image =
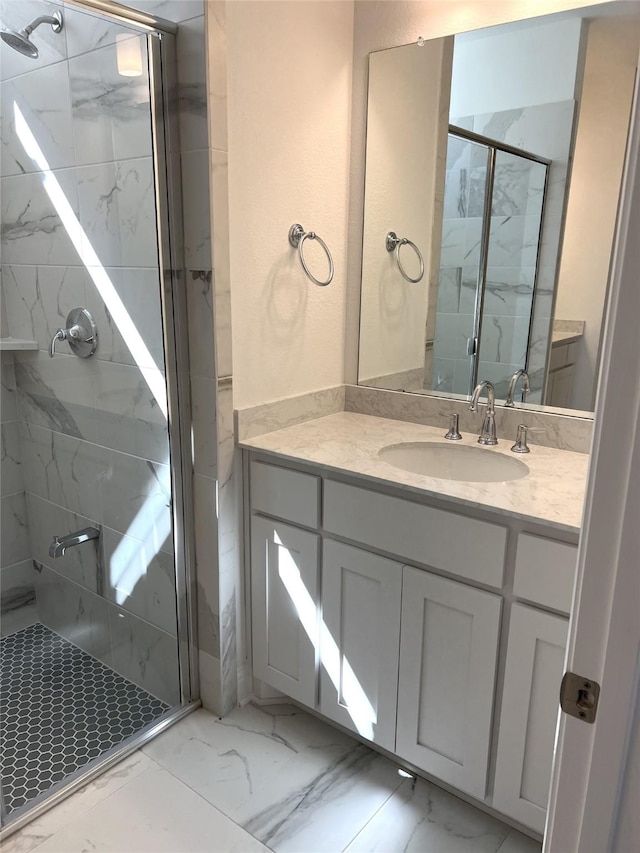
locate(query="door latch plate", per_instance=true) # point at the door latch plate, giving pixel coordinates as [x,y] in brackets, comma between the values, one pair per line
[579,696]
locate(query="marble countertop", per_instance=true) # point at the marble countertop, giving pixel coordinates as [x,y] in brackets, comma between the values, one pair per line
[552,493]
[561,338]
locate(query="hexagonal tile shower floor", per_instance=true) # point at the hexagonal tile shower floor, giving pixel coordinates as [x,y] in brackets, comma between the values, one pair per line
[60,708]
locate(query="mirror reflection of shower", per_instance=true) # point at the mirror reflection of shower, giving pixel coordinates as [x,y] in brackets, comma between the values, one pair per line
[488,265]
[19,39]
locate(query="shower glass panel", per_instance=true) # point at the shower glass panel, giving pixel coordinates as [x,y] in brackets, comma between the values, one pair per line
[493,210]
[512,256]
[89,622]
[461,265]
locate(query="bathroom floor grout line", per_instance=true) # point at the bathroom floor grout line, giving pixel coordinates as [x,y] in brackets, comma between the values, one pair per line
[367,822]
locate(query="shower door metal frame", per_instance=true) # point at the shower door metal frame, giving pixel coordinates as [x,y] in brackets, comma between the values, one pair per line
[493,147]
[168,194]
[163,90]
[163,87]
[129,17]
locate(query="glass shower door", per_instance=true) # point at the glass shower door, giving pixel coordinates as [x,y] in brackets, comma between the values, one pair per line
[92,656]
[461,265]
[493,209]
[512,258]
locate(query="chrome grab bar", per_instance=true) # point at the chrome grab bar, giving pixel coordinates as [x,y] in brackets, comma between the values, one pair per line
[394,243]
[297,236]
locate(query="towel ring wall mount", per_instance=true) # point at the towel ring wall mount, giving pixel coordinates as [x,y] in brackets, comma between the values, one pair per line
[394,243]
[297,236]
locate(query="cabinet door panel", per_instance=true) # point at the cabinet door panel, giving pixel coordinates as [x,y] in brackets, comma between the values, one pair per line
[448,652]
[284,603]
[560,393]
[530,703]
[360,640]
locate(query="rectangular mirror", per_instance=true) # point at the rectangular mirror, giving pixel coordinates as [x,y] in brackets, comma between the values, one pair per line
[493,169]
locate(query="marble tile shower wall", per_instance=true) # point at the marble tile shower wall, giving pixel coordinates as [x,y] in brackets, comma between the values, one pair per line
[544,130]
[222,652]
[16,571]
[94,439]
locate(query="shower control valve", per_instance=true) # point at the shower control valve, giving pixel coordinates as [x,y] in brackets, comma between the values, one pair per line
[81,333]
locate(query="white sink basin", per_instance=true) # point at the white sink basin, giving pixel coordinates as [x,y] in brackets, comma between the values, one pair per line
[454,462]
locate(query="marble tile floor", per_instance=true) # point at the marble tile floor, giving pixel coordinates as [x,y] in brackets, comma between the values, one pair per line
[268,778]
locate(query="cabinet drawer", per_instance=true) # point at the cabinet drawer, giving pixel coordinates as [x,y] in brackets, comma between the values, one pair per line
[444,540]
[545,571]
[572,352]
[559,354]
[285,494]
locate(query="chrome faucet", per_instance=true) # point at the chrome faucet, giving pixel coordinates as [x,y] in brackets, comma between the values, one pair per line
[488,430]
[61,543]
[512,386]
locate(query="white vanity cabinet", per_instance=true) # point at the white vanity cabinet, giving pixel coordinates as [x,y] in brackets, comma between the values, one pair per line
[544,575]
[385,613]
[285,580]
[560,377]
[448,660]
[285,583]
[530,698]
[360,640]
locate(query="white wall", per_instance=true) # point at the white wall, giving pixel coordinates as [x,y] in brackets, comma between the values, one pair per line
[612,55]
[380,24]
[289,85]
[407,124]
[291,122]
[515,68]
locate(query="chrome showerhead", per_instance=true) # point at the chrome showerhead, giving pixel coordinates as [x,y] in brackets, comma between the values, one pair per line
[19,39]
[20,42]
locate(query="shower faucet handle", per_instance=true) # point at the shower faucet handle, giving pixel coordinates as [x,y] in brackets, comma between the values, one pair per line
[63,335]
[81,333]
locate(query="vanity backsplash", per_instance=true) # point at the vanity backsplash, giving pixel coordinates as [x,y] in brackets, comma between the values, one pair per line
[563,432]
[545,428]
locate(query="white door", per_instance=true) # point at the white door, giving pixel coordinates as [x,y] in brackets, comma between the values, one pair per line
[284,605]
[535,657]
[604,635]
[448,652]
[360,641]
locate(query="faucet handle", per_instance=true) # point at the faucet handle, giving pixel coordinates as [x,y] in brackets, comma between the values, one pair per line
[60,335]
[454,433]
[521,445]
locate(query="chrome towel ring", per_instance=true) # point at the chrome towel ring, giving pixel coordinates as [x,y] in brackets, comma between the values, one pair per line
[393,243]
[297,236]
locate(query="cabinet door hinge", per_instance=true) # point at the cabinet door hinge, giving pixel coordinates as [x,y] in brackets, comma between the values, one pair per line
[579,696]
